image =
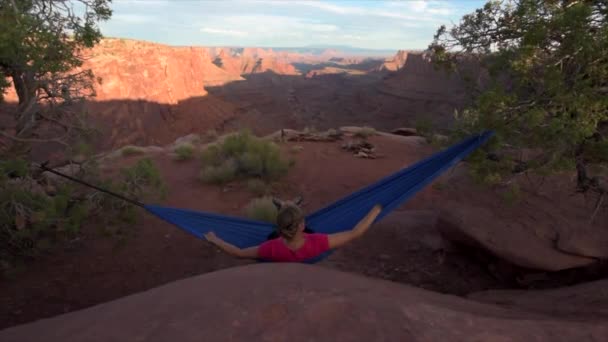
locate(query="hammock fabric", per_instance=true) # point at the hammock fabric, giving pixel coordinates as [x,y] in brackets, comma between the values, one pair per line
[390,192]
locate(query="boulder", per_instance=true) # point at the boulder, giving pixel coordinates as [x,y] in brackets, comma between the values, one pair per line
[521,240]
[406,132]
[588,300]
[296,302]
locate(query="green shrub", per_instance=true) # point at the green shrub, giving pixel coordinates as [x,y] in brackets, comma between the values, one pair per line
[424,127]
[243,156]
[262,209]
[184,152]
[512,194]
[211,135]
[31,221]
[143,180]
[131,151]
[211,155]
[257,186]
[221,174]
[82,149]
[365,132]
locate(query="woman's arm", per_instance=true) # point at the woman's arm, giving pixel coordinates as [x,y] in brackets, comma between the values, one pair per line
[339,239]
[251,252]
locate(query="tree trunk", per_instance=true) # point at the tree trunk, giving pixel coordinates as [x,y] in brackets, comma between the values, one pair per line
[25,86]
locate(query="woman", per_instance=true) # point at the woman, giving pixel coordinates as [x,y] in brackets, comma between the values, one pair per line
[293,243]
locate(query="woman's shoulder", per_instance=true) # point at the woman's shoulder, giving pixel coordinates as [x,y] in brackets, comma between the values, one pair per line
[317,237]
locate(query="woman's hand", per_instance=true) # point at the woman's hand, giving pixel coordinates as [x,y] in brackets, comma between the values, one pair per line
[251,252]
[376,209]
[211,237]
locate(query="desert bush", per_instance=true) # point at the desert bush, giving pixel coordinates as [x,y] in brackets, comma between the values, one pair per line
[424,127]
[262,209]
[184,152]
[33,219]
[512,194]
[30,219]
[365,132]
[257,186]
[219,174]
[141,181]
[210,135]
[243,155]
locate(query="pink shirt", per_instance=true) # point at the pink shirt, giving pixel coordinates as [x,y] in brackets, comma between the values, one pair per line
[276,249]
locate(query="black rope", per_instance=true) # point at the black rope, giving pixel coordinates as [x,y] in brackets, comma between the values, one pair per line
[132,201]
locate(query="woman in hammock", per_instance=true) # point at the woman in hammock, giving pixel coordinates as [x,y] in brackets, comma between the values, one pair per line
[294,242]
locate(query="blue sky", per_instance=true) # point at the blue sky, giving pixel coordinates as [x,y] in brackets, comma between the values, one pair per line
[278,23]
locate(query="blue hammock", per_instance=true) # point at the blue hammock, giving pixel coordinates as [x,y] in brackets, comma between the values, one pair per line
[390,192]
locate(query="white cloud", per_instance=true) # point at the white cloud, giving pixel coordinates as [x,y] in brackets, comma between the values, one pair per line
[440,11]
[266,25]
[321,27]
[417,6]
[427,7]
[353,37]
[224,32]
[132,18]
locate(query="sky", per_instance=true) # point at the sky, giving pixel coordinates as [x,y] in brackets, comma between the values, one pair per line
[285,23]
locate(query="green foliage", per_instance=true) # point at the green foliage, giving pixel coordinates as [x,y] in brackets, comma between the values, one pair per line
[31,221]
[142,182]
[210,135]
[365,132]
[257,186]
[39,39]
[424,127]
[140,178]
[547,85]
[243,155]
[82,148]
[220,174]
[262,209]
[128,151]
[34,218]
[184,152]
[512,194]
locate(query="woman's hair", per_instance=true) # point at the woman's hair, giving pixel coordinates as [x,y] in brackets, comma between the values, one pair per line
[288,220]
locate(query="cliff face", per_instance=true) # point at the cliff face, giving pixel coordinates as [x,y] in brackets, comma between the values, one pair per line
[151,93]
[394,63]
[244,61]
[145,71]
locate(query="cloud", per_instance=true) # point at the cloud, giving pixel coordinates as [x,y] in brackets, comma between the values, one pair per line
[224,32]
[353,37]
[320,27]
[283,23]
[266,25]
[432,8]
[417,6]
[440,11]
[132,18]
